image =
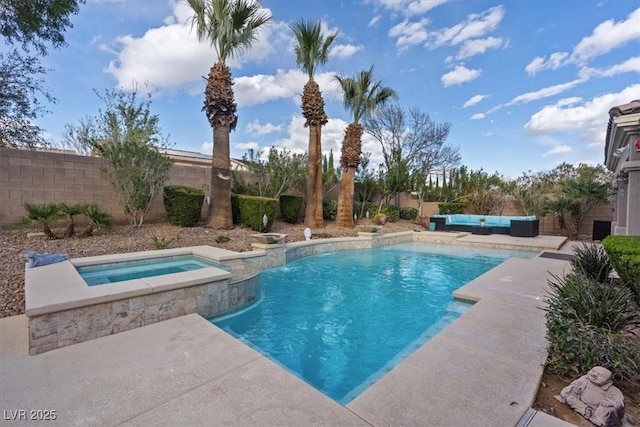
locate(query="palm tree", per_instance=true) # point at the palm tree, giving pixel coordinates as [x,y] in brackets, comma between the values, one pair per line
[230,27]
[362,95]
[97,219]
[312,49]
[70,211]
[45,215]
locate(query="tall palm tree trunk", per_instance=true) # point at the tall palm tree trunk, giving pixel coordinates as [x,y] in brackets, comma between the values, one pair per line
[344,218]
[349,161]
[219,214]
[313,211]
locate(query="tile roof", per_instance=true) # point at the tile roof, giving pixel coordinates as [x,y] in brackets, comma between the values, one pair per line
[619,110]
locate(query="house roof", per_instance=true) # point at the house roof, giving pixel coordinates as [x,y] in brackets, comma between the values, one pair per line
[195,158]
[632,107]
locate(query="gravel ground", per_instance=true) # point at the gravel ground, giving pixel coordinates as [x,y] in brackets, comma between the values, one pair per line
[14,243]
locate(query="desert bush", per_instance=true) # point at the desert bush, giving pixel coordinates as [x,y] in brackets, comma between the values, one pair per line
[451,208]
[591,260]
[254,208]
[160,242]
[575,347]
[408,213]
[183,205]
[329,209]
[222,239]
[290,207]
[391,211]
[380,218]
[361,209]
[603,305]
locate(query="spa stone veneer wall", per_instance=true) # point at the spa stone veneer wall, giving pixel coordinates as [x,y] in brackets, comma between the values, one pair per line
[59,329]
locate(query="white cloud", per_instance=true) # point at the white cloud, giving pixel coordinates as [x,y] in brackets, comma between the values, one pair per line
[474,100]
[474,26]
[207,147]
[245,146]
[459,75]
[537,64]
[297,139]
[409,33]
[262,88]
[256,128]
[170,56]
[410,7]
[556,60]
[374,21]
[477,47]
[345,50]
[631,65]
[560,149]
[606,37]
[587,117]
[478,116]
[545,92]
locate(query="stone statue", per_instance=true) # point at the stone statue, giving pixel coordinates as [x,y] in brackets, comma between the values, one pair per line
[595,398]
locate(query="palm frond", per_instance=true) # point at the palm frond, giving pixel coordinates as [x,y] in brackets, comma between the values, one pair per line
[312,47]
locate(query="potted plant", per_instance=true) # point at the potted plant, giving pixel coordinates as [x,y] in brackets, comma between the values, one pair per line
[482,221]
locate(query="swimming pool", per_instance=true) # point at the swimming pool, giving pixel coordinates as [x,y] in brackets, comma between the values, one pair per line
[340,321]
[103,274]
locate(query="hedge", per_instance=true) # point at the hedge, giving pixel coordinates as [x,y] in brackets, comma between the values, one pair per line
[624,254]
[183,205]
[451,208]
[290,207]
[254,208]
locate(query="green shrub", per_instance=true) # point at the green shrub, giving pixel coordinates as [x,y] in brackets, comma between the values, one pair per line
[451,208]
[380,218]
[222,239]
[254,208]
[586,321]
[391,211]
[361,209]
[591,260]
[160,242]
[235,209]
[290,207]
[574,348]
[624,253]
[408,213]
[330,209]
[603,305]
[183,205]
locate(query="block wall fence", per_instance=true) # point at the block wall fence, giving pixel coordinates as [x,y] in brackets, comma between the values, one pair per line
[47,177]
[52,177]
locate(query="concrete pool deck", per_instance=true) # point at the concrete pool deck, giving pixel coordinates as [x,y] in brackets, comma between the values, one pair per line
[484,369]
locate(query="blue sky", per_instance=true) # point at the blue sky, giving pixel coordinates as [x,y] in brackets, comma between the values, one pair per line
[526,84]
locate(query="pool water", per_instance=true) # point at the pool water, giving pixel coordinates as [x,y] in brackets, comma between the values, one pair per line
[117,272]
[340,321]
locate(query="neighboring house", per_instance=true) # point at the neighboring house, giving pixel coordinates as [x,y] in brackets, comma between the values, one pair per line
[191,158]
[622,156]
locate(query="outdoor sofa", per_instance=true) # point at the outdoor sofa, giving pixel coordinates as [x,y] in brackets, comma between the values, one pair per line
[517,226]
